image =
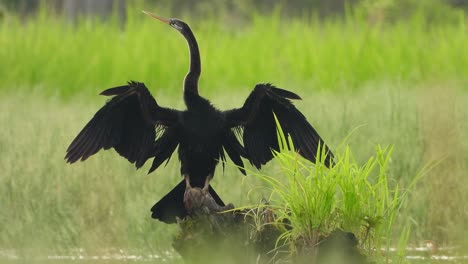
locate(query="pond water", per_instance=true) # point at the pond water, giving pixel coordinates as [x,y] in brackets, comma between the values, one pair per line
[80,256]
[415,255]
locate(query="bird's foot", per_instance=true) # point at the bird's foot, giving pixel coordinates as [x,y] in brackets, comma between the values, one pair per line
[197,201]
[188,187]
[206,187]
[193,198]
[187,182]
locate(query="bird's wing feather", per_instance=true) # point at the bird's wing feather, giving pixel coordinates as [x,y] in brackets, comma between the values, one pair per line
[234,150]
[256,118]
[127,123]
[164,147]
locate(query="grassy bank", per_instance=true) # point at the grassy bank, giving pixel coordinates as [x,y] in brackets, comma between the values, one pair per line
[104,202]
[402,84]
[51,55]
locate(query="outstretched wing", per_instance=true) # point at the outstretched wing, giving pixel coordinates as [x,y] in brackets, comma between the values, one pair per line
[256,119]
[234,150]
[127,123]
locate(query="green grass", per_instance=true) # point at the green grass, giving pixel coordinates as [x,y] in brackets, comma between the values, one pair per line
[315,200]
[401,84]
[49,205]
[52,56]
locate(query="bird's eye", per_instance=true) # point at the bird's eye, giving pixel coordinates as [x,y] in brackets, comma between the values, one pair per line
[176,25]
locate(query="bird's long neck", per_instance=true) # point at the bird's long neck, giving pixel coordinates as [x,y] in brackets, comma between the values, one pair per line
[191,79]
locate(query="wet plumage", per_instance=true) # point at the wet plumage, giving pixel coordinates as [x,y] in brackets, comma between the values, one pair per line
[139,129]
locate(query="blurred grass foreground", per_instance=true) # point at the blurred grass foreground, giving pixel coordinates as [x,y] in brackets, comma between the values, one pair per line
[383,73]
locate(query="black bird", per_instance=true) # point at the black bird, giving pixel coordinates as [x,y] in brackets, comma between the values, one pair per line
[139,129]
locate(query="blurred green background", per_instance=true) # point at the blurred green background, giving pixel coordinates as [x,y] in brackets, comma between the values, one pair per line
[390,72]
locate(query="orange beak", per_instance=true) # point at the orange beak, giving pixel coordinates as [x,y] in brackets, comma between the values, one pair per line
[162,19]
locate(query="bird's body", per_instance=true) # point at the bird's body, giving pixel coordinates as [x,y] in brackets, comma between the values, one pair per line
[201,135]
[139,129]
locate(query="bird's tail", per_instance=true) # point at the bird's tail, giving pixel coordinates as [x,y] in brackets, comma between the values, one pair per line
[172,204]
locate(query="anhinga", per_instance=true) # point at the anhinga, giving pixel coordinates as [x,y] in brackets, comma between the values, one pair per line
[138,128]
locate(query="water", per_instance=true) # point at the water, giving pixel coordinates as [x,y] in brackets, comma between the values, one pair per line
[414,255]
[80,256]
[432,254]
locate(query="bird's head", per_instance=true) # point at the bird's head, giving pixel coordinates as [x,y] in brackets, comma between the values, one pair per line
[173,22]
[191,79]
